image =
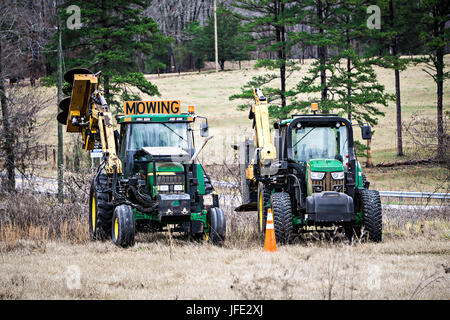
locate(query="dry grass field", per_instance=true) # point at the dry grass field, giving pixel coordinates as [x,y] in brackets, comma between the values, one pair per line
[412,263]
[47,254]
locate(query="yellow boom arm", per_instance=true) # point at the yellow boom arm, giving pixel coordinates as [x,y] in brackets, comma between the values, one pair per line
[87,112]
[263,142]
[263,139]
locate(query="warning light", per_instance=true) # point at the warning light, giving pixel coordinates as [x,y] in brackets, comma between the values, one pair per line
[314,106]
[191,109]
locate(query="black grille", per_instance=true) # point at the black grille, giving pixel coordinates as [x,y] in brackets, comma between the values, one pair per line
[171,181]
[327,184]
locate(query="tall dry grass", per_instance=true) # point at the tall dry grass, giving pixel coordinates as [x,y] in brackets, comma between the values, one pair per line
[40,219]
[27,216]
[411,263]
[410,222]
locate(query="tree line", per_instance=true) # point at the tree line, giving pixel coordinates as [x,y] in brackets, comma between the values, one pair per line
[349,38]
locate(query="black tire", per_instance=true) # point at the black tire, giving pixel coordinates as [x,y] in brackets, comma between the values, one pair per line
[364,179]
[123,226]
[282,217]
[261,204]
[372,214]
[222,224]
[217,225]
[100,209]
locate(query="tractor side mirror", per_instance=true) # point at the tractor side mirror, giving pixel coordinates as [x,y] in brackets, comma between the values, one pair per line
[204,129]
[366,132]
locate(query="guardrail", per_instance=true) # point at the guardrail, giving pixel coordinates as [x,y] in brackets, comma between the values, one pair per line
[385,194]
[414,195]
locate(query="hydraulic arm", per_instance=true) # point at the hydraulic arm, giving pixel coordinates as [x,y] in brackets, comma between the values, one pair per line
[265,152]
[87,112]
[260,114]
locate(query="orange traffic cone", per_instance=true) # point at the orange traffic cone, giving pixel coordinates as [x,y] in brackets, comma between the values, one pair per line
[270,243]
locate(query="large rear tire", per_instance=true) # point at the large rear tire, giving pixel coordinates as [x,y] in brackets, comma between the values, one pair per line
[372,214]
[282,217]
[100,209]
[123,226]
[217,225]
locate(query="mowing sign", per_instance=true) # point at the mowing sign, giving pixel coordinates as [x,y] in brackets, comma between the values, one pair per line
[145,107]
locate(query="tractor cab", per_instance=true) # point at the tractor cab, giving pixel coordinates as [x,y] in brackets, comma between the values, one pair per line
[158,138]
[323,148]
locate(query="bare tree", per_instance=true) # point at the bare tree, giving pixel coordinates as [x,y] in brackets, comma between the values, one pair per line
[38,26]
[7,35]
[18,108]
[173,16]
[423,138]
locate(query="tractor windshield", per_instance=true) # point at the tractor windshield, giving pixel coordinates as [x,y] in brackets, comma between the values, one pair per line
[159,135]
[320,143]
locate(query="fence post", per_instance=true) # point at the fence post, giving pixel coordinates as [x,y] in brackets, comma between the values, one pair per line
[54,157]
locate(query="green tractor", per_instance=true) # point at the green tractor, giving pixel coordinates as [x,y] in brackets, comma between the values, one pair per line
[149,178]
[162,185]
[315,180]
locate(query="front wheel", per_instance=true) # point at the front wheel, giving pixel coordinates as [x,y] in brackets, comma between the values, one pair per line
[123,227]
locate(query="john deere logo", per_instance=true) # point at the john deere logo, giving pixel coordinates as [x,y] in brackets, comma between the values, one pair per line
[147,107]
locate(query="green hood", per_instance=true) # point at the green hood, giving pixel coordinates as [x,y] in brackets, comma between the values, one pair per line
[326,165]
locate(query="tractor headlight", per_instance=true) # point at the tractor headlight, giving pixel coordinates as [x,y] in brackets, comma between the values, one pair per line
[317,175]
[337,175]
[178,187]
[163,187]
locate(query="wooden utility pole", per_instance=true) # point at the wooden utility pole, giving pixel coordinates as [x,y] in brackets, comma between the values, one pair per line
[60,128]
[215,36]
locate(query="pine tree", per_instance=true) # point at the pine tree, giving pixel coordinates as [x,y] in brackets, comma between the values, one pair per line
[319,17]
[435,36]
[354,86]
[268,21]
[195,45]
[345,81]
[398,34]
[112,37]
